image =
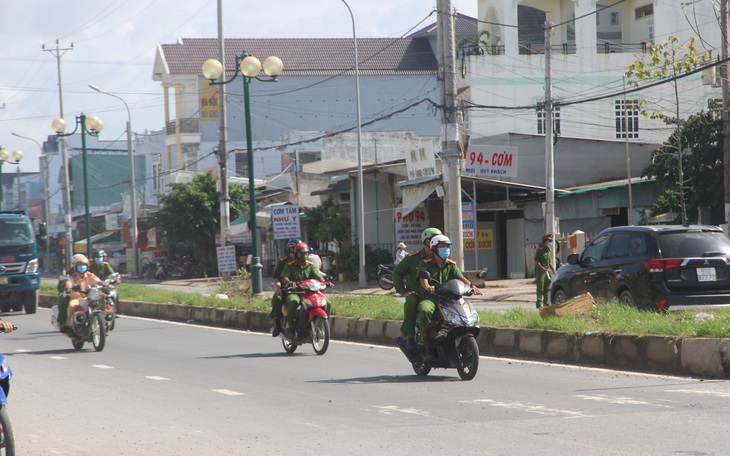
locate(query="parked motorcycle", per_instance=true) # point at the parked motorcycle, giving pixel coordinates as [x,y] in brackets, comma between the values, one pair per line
[450,338]
[385,276]
[7,441]
[311,321]
[87,321]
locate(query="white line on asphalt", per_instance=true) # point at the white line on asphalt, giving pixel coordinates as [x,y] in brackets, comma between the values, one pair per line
[102,366]
[708,393]
[22,350]
[227,392]
[155,377]
[58,357]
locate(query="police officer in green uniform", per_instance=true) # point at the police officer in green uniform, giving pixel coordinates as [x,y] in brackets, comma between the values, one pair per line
[296,271]
[543,264]
[441,270]
[100,267]
[276,299]
[405,279]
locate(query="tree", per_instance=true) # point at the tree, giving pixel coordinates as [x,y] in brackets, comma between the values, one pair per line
[667,61]
[326,223]
[703,167]
[190,212]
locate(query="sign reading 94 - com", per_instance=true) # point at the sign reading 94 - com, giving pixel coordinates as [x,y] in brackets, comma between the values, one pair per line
[285,221]
[490,161]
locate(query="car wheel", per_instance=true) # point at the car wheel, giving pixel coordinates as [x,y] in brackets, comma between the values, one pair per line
[626,298]
[559,296]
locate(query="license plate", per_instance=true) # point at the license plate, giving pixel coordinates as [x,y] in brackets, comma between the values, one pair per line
[706,275]
[3,280]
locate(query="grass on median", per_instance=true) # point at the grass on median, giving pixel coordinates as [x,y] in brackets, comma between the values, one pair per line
[605,317]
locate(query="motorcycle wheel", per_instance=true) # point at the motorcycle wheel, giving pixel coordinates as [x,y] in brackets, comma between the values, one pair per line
[97,332]
[421,369]
[7,441]
[289,346]
[385,281]
[468,354]
[320,335]
[77,343]
[111,324]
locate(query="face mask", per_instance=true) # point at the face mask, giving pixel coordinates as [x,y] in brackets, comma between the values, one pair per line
[444,252]
[81,268]
[97,260]
[303,259]
[549,244]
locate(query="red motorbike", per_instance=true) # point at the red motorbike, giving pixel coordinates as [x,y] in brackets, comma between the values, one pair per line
[312,318]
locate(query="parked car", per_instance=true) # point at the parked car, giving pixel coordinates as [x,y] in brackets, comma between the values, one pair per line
[118,260]
[651,267]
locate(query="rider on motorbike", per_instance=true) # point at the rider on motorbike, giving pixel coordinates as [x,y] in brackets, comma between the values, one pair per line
[79,279]
[408,269]
[441,270]
[276,300]
[100,267]
[296,271]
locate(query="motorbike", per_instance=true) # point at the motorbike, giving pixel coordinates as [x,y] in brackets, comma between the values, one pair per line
[450,337]
[385,276]
[7,441]
[87,322]
[111,300]
[311,321]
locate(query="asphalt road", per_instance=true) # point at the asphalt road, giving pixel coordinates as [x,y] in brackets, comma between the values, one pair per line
[173,389]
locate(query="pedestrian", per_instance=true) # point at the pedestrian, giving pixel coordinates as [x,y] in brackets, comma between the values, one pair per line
[400,253]
[314,258]
[543,271]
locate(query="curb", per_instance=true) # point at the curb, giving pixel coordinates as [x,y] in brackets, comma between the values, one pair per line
[699,357]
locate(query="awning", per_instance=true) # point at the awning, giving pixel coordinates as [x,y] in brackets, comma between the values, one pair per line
[417,190]
[80,245]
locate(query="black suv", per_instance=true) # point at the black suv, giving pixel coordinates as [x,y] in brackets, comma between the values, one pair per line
[652,267]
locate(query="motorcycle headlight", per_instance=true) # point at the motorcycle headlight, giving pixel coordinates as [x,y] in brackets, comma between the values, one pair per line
[94,294]
[471,319]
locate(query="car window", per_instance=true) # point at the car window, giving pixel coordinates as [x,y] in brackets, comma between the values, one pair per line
[595,250]
[697,244]
[638,245]
[619,246]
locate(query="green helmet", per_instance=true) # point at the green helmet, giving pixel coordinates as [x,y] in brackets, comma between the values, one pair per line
[428,233]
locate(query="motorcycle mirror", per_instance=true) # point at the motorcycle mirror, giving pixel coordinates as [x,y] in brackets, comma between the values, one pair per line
[424,275]
[482,274]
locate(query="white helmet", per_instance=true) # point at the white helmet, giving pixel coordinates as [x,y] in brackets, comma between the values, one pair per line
[439,239]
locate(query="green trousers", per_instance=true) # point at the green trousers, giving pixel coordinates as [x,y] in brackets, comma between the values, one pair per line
[292,304]
[426,308]
[543,288]
[63,300]
[410,310]
[276,306]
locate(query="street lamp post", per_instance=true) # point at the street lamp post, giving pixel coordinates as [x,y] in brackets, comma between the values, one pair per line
[132,184]
[91,125]
[5,157]
[250,67]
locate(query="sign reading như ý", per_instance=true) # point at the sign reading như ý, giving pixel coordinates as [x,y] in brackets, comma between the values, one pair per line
[285,221]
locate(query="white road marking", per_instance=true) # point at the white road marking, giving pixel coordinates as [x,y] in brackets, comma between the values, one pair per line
[22,350]
[619,400]
[58,357]
[393,409]
[708,393]
[155,377]
[532,408]
[227,392]
[102,366]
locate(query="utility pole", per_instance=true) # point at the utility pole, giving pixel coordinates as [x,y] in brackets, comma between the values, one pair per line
[222,152]
[450,153]
[549,150]
[725,73]
[58,52]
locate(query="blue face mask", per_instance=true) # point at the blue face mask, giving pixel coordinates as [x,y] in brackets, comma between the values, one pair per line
[98,260]
[444,252]
[549,244]
[81,268]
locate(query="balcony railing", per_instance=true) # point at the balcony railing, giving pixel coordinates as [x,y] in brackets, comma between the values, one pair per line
[186,126]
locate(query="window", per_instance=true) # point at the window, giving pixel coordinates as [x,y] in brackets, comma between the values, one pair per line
[541,120]
[614,18]
[644,11]
[156,170]
[627,119]
[595,251]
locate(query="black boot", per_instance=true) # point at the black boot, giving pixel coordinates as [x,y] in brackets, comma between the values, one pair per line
[277,328]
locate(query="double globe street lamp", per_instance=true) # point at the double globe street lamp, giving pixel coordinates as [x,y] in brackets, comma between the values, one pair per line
[250,67]
[5,157]
[91,125]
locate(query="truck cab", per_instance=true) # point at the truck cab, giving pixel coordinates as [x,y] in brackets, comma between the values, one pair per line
[19,276]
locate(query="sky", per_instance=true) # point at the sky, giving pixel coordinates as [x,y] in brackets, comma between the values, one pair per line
[114,44]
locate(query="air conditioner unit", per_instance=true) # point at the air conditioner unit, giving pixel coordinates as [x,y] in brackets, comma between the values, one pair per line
[610,211]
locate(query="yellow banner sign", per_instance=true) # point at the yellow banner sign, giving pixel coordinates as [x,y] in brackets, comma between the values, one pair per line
[485,239]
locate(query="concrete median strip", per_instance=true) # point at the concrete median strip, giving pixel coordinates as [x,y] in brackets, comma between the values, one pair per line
[644,353]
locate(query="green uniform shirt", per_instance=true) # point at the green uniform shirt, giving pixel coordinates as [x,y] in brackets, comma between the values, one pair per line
[280,263]
[296,273]
[448,270]
[102,271]
[408,268]
[543,257]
